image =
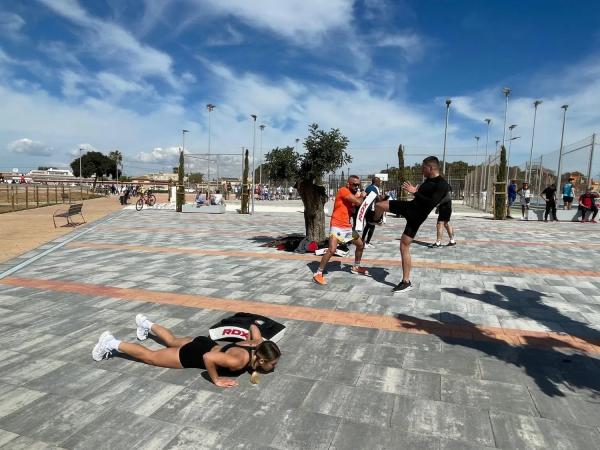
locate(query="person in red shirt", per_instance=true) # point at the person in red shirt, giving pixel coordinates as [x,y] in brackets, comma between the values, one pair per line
[340,231]
[587,202]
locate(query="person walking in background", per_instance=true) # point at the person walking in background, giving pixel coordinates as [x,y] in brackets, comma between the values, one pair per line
[549,196]
[512,196]
[525,196]
[568,192]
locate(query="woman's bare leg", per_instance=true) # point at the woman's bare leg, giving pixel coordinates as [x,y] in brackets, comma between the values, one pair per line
[168,338]
[165,357]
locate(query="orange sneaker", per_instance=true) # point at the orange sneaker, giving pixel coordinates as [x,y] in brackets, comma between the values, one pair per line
[360,270]
[319,279]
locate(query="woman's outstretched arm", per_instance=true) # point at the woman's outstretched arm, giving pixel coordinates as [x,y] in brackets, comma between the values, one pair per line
[214,360]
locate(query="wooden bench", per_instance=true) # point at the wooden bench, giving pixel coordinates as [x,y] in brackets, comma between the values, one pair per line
[72,211]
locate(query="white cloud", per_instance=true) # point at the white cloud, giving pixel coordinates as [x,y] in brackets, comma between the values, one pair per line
[160,155]
[298,20]
[411,44]
[229,36]
[111,43]
[29,147]
[11,25]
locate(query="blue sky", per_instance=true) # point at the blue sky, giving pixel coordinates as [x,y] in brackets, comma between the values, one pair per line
[129,75]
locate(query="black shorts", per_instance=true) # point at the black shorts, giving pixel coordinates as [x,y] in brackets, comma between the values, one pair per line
[405,209]
[567,199]
[444,212]
[191,354]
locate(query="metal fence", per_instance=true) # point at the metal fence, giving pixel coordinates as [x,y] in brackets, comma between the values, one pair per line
[577,162]
[14,197]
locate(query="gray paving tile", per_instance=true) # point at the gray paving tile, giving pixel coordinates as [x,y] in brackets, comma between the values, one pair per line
[139,432]
[444,420]
[524,432]
[399,381]
[51,419]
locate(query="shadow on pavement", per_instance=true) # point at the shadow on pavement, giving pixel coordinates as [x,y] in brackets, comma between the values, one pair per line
[547,367]
[528,303]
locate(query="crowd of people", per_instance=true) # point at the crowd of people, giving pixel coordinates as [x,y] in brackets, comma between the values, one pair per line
[586,202]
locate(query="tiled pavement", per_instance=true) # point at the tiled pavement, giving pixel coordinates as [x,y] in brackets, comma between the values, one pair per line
[497,347]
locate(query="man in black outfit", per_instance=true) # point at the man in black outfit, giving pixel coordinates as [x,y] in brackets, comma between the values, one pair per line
[549,196]
[426,197]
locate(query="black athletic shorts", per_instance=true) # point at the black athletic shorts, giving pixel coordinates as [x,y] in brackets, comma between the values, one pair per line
[191,354]
[405,209]
[567,199]
[444,212]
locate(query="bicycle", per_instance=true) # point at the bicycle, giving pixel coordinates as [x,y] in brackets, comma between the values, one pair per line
[146,198]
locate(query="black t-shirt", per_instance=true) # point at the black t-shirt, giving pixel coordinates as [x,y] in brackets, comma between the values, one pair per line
[430,193]
[549,194]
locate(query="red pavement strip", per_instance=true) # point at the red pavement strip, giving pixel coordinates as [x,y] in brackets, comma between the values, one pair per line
[309,257]
[405,324]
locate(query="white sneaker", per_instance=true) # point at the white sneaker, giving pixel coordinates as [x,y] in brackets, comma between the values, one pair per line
[141,331]
[369,246]
[101,350]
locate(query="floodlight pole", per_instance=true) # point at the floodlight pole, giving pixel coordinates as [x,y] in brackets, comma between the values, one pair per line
[448,102]
[535,106]
[80,174]
[209,107]
[262,127]
[506,91]
[253,152]
[560,154]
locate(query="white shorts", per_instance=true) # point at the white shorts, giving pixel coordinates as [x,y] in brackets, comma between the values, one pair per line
[343,235]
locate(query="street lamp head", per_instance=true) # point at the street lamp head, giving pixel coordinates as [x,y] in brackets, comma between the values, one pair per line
[506,91]
[253,116]
[185,131]
[512,127]
[448,101]
[488,121]
[516,137]
[210,107]
[477,137]
[564,107]
[262,127]
[537,103]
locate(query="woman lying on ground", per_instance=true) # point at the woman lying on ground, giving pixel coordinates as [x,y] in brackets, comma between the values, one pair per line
[200,352]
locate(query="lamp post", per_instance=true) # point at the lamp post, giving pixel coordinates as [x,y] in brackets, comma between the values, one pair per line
[253,152]
[474,183]
[262,127]
[448,102]
[506,91]
[535,106]
[562,137]
[487,138]
[511,128]
[209,107]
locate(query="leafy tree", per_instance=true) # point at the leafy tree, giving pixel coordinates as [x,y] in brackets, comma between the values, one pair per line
[93,163]
[117,158]
[325,152]
[196,178]
[500,191]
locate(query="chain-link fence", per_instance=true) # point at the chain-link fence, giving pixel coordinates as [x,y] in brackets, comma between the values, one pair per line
[577,164]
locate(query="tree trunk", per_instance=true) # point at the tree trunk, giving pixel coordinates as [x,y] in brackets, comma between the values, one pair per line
[245,206]
[314,198]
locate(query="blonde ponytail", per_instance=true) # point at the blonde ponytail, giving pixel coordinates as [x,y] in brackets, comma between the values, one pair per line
[254,378]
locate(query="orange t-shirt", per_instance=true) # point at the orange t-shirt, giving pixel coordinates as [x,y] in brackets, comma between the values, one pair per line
[343,208]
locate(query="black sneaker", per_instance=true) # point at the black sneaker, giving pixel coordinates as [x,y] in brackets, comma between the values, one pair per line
[403,287]
[451,244]
[434,245]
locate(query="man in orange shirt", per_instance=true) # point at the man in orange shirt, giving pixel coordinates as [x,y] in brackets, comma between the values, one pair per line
[341,229]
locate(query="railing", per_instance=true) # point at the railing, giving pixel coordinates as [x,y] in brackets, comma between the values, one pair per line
[15,197]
